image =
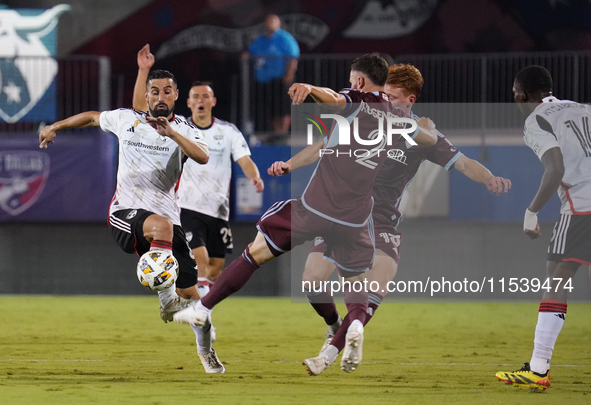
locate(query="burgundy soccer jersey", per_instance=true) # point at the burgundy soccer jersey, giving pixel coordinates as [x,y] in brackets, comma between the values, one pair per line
[398,171]
[340,189]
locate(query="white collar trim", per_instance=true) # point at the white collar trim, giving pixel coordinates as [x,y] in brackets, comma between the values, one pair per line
[549,99]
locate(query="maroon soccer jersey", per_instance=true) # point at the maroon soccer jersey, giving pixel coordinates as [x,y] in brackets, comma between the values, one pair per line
[398,171]
[340,189]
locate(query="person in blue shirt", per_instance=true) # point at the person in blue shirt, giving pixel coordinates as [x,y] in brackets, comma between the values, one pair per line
[275,55]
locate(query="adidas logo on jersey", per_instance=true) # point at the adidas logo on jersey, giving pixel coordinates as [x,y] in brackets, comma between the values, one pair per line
[131,129]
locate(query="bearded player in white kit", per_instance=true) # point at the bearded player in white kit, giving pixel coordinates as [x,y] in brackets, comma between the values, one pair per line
[143,213]
[204,190]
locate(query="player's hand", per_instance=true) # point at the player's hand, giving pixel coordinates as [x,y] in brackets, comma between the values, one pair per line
[161,125]
[427,132]
[535,233]
[279,169]
[496,185]
[298,92]
[427,124]
[46,136]
[258,184]
[145,60]
[531,227]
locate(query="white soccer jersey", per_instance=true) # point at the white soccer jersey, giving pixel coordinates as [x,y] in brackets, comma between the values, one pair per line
[206,188]
[149,164]
[565,124]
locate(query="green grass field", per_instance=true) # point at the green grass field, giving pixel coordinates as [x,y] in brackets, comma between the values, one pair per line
[116,350]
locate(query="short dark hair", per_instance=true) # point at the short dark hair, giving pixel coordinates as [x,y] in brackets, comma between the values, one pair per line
[202,83]
[161,74]
[534,79]
[373,66]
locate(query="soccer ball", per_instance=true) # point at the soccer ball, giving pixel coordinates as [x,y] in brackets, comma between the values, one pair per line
[157,270]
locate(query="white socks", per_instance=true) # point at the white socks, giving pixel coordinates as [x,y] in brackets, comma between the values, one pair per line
[169,251]
[547,330]
[203,339]
[332,352]
[203,285]
[166,296]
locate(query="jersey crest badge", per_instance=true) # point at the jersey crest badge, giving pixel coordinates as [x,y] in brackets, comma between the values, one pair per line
[218,138]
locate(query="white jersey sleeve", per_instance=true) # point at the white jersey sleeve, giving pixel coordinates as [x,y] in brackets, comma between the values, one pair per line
[111,121]
[539,139]
[239,146]
[567,125]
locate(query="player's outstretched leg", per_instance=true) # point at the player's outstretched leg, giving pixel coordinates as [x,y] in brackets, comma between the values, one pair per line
[524,377]
[231,280]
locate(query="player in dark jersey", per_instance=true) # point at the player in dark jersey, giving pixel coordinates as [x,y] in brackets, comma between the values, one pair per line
[403,88]
[336,204]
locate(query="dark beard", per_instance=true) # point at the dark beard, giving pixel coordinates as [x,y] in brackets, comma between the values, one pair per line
[160,113]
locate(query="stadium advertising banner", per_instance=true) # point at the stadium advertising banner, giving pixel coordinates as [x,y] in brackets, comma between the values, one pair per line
[73,180]
[205,43]
[27,67]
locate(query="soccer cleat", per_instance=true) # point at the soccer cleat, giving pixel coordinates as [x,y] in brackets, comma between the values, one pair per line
[353,347]
[211,363]
[317,365]
[172,308]
[524,377]
[194,314]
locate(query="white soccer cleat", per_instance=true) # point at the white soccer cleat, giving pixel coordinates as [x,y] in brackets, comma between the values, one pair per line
[317,365]
[211,363]
[172,308]
[353,347]
[194,314]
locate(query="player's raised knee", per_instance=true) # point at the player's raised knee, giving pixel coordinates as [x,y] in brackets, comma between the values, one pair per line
[158,227]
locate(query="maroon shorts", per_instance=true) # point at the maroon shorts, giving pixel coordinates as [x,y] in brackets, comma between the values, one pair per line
[288,224]
[387,239]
